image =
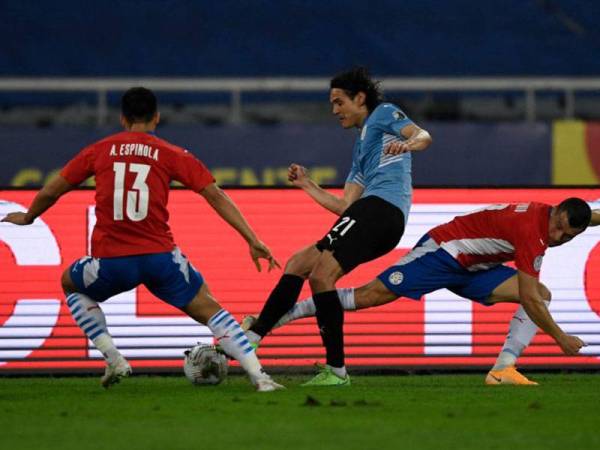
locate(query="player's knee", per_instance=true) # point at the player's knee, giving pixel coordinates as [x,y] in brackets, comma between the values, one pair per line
[317,283]
[320,281]
[297,265]
[67,283]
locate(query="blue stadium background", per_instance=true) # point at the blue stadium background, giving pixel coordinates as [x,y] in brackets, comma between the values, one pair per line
[296,38]
[299,37]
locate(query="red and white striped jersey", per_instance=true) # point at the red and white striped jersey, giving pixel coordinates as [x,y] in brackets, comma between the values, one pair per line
[500,233]
[133,171]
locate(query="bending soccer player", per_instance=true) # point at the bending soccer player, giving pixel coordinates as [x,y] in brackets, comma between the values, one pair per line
[373,212]
[465,256]
[132,243]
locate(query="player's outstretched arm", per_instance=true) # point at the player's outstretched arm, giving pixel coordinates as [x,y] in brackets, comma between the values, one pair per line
[45,198]
[416,139]
[537,311]
[228,210]
[298,176]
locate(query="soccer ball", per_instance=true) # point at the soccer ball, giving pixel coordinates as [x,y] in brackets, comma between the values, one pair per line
[204,365]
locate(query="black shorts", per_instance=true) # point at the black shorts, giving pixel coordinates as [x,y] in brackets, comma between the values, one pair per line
[368,229]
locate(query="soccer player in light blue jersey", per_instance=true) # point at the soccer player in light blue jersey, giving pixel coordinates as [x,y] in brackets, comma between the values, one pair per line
[373,213]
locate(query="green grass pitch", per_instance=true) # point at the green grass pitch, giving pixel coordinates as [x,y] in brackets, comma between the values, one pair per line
[377,412]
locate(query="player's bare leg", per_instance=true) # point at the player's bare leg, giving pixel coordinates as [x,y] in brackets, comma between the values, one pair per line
[205,309]
[89,317]
[520,334]
[373,294]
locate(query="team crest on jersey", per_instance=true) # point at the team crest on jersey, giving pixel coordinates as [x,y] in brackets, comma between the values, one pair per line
[399,115]
[537,263]
[396,278]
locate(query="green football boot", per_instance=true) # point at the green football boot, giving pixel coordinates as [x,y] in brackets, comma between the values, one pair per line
[326,377]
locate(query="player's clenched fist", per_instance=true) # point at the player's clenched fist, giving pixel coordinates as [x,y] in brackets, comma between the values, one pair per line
[297,174]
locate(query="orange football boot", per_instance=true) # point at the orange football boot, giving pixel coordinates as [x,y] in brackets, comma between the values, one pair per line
[508,375]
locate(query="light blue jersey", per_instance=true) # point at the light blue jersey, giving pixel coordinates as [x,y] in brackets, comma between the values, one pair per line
[385,176]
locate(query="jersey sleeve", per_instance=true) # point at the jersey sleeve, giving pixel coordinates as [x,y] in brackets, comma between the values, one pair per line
[355,176]
[530,236]
[191,172]
[392,119]
[80,168]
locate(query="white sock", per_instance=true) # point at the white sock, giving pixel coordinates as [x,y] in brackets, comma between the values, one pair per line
[89,317]
[347,298]
[306,308]
[302,309]
[234,342]
[339,371]
[520,333]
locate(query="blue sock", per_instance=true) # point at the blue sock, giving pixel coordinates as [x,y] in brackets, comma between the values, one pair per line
[234,342]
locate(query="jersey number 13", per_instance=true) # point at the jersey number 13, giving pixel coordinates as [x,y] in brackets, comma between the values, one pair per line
[137,198]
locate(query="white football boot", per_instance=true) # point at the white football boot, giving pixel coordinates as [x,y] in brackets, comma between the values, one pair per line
[115,371]
[266,384]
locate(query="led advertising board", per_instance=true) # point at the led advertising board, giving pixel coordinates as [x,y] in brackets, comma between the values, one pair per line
[37,332]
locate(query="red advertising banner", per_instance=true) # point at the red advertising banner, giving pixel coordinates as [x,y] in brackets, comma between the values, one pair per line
[37,332]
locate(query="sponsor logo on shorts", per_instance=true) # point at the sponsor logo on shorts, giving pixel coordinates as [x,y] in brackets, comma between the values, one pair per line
[537,263]
[396,278]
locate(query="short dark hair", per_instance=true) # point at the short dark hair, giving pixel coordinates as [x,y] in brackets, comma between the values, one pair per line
[578,212]
[359,80]
[138,104]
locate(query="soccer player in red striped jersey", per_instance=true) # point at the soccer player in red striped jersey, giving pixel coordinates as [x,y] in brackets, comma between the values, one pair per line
[132,243]
[466,256]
